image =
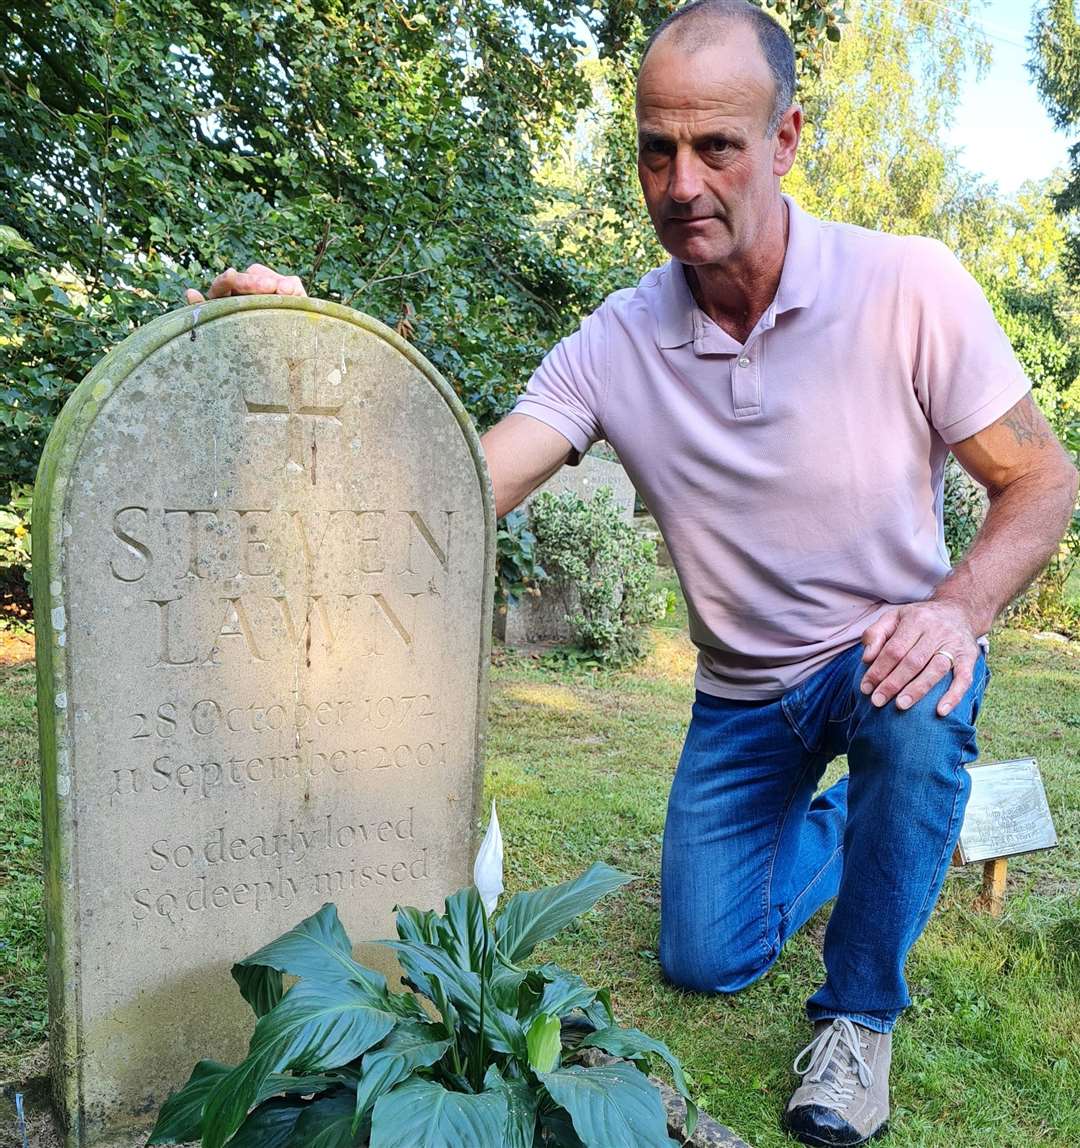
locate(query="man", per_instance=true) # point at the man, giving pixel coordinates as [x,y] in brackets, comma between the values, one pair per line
[784,393]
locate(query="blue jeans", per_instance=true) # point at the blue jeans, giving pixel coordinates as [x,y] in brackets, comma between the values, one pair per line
[750,853]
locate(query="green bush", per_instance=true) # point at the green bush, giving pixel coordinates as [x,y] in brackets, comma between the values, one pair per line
[339,1060]
[608,563]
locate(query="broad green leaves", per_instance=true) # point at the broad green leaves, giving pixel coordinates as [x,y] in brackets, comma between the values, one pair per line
[318,949]
[529,918]
[422,1114]
[426,964]
[338,1061]
[408,1047]
[544,1040]
[315,1027]
[612,1107]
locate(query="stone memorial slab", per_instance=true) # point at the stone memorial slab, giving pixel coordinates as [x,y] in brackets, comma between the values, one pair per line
[263,561]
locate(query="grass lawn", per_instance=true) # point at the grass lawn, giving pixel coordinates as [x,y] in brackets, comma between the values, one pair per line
[580,763]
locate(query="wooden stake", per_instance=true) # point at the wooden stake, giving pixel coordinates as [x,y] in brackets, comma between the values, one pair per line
[993,890]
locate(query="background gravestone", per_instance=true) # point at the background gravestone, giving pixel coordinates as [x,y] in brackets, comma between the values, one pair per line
[263,581]
[538,619]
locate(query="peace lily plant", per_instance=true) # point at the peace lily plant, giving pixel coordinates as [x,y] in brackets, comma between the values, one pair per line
[494,1061]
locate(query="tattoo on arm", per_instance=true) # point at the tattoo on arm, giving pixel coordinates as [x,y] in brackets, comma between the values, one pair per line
[1023,420]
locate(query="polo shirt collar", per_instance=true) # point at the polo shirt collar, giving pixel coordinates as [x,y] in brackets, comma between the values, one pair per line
[799,280]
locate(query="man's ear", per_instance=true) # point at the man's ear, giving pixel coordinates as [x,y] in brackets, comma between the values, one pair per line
[787,140]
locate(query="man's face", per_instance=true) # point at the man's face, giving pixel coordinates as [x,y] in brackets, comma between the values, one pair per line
[708,171]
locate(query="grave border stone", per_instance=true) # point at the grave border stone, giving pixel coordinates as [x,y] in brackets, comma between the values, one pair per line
[55,706]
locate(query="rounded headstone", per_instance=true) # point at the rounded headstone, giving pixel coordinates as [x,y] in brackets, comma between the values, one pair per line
[263,555]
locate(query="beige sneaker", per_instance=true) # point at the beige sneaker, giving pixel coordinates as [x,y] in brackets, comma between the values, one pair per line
[844,1096]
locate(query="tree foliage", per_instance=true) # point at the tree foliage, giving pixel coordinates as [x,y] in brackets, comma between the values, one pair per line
[384,151]
[1055,65]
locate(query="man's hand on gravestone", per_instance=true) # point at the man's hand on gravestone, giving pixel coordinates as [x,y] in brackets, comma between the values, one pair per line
[911,648]
[256,280]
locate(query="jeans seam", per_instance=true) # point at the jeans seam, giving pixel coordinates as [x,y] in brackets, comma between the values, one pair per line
[795,727]
[814,880]
[953,817]
[767,891]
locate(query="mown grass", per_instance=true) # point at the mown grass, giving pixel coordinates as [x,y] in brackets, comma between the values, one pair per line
[989,1055]
[580,764]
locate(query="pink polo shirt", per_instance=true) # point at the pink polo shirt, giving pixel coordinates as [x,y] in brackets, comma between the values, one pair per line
[797,478]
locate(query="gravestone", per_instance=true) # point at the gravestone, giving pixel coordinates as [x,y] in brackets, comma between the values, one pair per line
[263,561]
[540,619]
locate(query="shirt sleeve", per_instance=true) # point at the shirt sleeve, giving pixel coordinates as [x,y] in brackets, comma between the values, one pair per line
[567,390]
[966,374]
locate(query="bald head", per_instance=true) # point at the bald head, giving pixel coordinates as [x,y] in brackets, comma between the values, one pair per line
[701,24]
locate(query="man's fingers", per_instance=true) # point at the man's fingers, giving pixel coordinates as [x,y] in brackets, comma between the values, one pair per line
[291,285]
[192,296]
[878,634]
[904,670]
[963,675]
[889,655]
[256,280]
[936,668]
[224,284]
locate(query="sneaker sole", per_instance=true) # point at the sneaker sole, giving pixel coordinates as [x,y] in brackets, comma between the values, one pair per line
[818,1142]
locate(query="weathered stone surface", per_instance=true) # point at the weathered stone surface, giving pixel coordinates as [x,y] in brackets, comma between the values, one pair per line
[533,619]
[263,559]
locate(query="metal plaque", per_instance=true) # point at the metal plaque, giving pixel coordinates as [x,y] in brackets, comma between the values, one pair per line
[1007,812]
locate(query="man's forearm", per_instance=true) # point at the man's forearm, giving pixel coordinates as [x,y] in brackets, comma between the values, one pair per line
[1021,533]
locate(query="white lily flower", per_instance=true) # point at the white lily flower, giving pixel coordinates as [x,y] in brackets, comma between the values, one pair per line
[488,867]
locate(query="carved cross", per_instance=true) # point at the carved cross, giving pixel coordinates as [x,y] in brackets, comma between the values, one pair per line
[302,448]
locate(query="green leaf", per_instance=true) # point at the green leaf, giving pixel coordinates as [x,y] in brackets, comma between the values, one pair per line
[507,986]
[328,1123]
[423,1114]
[464,934]
[530,918]
[419,926]
[544,1042]
[425,964]
[315,1027]
[271,1125]
[613,1106]
[261,986]
[318,949]
[600,1012]
[521,1104]
[278,1084]
[409,1046]
[11,240]
[563,992]
[180,1118]
[631,1044]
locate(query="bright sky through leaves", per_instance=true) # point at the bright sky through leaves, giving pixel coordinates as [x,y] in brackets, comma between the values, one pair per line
[1000,123]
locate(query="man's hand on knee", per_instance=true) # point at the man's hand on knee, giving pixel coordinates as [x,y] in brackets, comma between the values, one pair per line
[256,280]
[911,648]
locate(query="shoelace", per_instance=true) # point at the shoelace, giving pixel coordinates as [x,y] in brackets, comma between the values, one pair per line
[821,1053]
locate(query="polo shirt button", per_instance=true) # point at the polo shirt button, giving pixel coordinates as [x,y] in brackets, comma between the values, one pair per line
[744,362]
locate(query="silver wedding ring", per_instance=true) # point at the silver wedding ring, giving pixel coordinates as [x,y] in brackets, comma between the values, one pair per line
[946,654]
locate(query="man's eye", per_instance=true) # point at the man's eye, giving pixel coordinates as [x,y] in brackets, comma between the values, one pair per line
[718,145]
[654,147]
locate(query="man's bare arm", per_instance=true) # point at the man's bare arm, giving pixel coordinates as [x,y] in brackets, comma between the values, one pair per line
[521,452]
[1032,486]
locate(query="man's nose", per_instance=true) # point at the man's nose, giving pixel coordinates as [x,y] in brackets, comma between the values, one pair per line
[685,182]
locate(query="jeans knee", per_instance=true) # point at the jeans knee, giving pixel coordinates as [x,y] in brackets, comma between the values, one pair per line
[710,969]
